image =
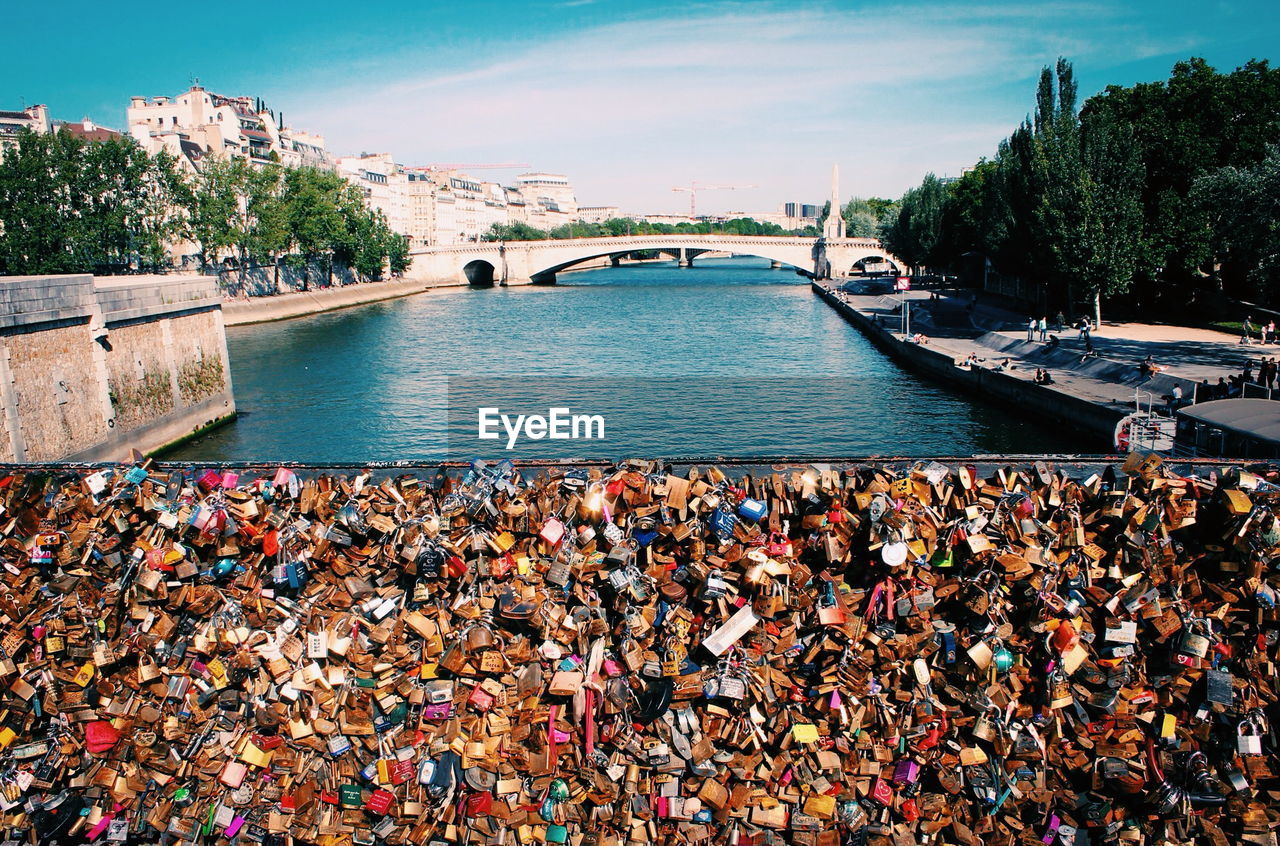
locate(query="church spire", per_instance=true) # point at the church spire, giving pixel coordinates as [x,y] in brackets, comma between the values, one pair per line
[833,229]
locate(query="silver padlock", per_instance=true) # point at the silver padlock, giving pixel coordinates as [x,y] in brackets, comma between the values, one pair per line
[619,579]
[558,574]
[715,587]
[733,687]
[1249,741]
[1195,641]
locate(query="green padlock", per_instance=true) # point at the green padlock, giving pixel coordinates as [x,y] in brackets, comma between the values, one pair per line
[349,796]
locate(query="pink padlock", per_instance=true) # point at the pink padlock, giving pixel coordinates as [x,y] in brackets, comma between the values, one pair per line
[482,699]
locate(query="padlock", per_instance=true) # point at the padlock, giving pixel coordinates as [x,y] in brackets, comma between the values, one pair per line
[1249,738]
[715,586]
[1195,641]
[558,573]
[984,728]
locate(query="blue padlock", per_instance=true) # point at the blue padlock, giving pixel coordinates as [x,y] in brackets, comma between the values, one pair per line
[722,523]
[752,509]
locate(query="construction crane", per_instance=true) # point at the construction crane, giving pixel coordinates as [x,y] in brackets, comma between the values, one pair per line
[438,166]
[694,187]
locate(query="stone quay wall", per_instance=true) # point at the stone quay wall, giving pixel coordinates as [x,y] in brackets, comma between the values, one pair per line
[1095,421]
[90,368]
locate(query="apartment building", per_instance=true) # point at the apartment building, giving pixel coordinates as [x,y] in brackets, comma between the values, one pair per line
[198,122]
[384,185]
[35,118]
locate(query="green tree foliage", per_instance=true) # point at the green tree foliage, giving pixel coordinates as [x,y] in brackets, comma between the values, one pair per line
[71,207]
[863,218]
[618,227]
[67,206]
[1242,206]
[1152,195]
[915,232]
[398,258]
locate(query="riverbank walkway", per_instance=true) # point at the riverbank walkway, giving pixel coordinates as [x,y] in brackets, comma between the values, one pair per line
[247,310]
[1109,381]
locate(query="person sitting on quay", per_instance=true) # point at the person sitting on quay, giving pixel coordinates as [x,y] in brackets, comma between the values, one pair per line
[1149,368]
[1204,391]
[1042,377]
[1006,364]
[918,338]
[971,360]
[1053,343]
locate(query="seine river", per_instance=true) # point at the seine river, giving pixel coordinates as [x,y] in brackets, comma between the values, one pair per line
[728,358]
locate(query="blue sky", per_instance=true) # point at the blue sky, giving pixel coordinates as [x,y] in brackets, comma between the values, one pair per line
[629,98]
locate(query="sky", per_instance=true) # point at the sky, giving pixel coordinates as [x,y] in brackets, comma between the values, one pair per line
[630,99]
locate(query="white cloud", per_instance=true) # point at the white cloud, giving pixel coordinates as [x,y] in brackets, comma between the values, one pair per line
[740,94]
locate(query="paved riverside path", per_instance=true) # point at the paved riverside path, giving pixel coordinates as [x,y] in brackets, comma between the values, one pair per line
[1111,379]
[239,312]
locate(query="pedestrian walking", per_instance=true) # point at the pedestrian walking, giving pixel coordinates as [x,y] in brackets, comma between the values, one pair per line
[1245,329]
[1060,322]
[1269,331]
[1043,326]
[1031,328]
[1084,325]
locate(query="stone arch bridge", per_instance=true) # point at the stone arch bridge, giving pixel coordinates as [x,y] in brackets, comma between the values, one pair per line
[537,262]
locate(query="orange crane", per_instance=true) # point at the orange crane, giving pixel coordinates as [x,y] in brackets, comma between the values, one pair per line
[694,187]
[438,166]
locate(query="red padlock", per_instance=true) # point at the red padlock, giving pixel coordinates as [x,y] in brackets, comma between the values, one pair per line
[380,802]
[402,772]
[478,805]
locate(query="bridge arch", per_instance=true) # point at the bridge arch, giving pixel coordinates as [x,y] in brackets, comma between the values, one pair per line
[479,273]
[876,261]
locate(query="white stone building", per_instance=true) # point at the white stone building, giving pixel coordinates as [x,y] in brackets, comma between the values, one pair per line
[227,127]
[35,118]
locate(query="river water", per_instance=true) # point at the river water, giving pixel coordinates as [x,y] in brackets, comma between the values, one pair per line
[728,358]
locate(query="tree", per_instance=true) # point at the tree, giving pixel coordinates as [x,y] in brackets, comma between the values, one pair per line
[214,211]
[398,257]
[35,190]
[863,218]
[1242,206]
[67,206]
[915,232]
[315,221]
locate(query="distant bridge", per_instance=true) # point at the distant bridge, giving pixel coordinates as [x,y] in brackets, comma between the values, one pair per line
[537,262]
